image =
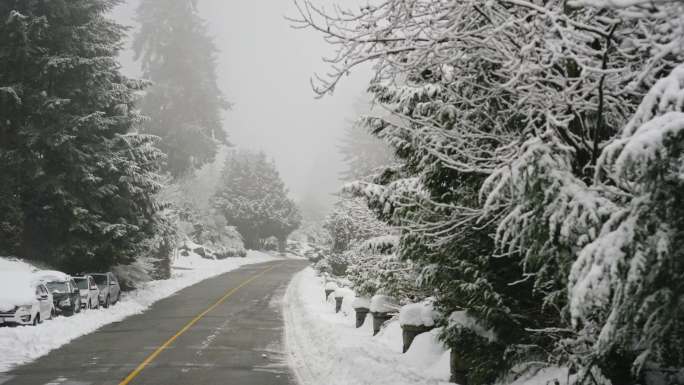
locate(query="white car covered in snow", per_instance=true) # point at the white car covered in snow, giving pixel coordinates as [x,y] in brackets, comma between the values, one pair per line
[65,292]
[90,293]
[24,300]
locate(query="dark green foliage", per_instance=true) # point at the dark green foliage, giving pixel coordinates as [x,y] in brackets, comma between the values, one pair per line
[460,265]
[477,354]
[78,184]
[184,103]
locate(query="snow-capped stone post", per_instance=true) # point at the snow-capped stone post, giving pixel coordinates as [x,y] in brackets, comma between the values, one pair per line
[383,309]
[330,287]
[361,307]
[340,295]
[338,304]
[416,318]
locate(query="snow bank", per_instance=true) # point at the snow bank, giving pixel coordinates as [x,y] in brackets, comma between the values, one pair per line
[326,348]
[382,304]
[23,344]
[390,335]
[330,285]
[418,314]
[429,351]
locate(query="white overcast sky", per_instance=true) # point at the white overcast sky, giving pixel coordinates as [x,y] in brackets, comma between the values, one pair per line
[264,69]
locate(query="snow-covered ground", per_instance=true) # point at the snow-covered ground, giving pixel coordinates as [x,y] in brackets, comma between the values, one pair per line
[23,344]
[326,348]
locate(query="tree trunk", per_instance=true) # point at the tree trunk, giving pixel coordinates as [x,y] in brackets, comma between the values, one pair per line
[282,245]
[162,263]
[459,373]
[251,243]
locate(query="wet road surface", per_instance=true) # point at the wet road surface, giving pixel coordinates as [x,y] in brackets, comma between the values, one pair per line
[224,330]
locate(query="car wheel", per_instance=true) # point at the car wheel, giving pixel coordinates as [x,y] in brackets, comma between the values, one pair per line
[37,320]
[106,303]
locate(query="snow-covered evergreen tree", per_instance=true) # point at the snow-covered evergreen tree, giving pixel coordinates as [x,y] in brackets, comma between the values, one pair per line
[350,222]
[184,103]
[363,153]
[81,181]
[253,198]
[518,180]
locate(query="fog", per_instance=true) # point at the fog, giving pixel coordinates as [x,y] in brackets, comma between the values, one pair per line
[264,69]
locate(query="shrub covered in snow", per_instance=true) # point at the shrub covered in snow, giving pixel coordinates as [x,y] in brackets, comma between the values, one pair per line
[335,264]
[379,273]
[385,244]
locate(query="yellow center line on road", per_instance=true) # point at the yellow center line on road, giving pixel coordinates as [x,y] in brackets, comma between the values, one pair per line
[187,326]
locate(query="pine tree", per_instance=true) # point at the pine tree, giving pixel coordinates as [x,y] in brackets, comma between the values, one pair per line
[184,103]
[80,181]
[363,153]
[351,222]
[520,195]
[253,198]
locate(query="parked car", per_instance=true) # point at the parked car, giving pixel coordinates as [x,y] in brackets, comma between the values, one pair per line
[110,291]
[65,292]
[24,300]
[90,293]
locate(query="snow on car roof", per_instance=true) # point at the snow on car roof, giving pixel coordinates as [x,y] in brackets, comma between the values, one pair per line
[52,276]
[17,288]
[15,264]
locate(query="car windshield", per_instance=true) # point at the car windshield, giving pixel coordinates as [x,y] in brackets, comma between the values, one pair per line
[57,287]
[100,280]
[82,283]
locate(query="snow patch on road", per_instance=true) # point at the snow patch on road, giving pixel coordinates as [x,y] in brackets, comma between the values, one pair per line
[20,345]
[326,348]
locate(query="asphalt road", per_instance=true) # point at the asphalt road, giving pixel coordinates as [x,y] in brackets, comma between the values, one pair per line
[224,330]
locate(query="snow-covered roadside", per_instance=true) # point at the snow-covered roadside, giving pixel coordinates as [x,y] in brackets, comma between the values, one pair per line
[326,348]
[23,344]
